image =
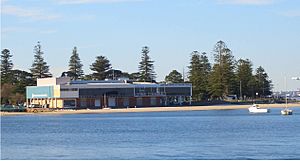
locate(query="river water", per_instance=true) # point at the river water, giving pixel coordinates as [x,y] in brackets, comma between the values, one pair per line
[217,134]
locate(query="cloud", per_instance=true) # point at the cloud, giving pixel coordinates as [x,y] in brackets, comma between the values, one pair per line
[93,1]
[5,30]
[295,13]
[246,2]
[50,31]
[27,13]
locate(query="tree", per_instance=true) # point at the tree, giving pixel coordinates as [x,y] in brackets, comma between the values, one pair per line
[174,77]
[100,67]
[115,74]
[146,68]
[199,71]
[39,68]
[87,77]
[14,91]
[263,84]
[222,80]
[21,79]
[6,66]
[75,66]
[6,93]
[244,77]
[134,76]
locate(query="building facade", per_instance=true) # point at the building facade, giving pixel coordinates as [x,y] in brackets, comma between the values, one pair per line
[64,93]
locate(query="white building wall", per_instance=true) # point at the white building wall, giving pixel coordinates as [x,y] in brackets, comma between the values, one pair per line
[46,81]
[52,81]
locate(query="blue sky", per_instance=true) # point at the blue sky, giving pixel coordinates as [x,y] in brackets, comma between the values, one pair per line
[265,31]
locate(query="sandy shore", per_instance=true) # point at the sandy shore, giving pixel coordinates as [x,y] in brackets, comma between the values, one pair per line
[149,109]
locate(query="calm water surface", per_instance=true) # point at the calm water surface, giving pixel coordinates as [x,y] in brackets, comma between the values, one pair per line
[220,134]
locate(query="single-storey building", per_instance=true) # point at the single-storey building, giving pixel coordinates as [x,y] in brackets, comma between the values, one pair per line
[64,93]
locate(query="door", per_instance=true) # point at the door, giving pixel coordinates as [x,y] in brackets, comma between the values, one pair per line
[111,102]
[97,103]
[126,102]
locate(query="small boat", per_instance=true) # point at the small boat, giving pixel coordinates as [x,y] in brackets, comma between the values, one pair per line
[256,109]
[286,112]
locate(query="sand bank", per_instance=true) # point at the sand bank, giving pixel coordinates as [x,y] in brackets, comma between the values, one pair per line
[149,109]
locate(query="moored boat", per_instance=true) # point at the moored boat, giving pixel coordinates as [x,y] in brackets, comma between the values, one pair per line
[286,112]
[256,109]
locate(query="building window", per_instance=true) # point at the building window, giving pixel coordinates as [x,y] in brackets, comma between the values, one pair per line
[69,103]
[68,89]
[153,101]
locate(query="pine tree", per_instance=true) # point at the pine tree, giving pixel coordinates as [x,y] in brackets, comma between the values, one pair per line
[174,77]
[6,66]
[263,84]
[198,75]
[39,68]
[100,67]
[75,66]
[146,68]
[244,77]
[223,79]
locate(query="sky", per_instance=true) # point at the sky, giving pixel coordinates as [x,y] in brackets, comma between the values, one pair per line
[265,31]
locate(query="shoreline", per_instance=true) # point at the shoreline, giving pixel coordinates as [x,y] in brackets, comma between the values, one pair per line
[149,109]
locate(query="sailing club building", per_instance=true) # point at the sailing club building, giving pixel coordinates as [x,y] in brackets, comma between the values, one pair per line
[64,93]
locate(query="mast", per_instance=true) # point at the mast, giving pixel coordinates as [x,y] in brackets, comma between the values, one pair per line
[285,92]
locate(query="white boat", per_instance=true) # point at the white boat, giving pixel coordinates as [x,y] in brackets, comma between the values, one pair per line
[286,112]
[256,109]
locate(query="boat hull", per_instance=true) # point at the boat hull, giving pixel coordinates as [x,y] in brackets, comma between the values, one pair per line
[258,110]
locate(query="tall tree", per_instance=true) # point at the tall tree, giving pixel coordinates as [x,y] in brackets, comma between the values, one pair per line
[6,66]
[199,71]
[174,77]
[75,66]
[100,67]
[244,77]
[146,68]
[222,80]
[263,84]
[39,68]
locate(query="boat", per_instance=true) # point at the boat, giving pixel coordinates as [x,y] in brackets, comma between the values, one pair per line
[286,111]
[256,109]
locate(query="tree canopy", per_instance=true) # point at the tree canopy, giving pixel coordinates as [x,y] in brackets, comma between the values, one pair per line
[199,71]
[75,66]
[222,81]
[39,68]
[6,66]
[101,66]
[146,67]
[174,77]
[244,77]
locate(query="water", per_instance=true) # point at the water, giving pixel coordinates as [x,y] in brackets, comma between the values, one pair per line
[221,134]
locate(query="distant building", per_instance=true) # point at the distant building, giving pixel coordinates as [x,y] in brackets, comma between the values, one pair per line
[64,93]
